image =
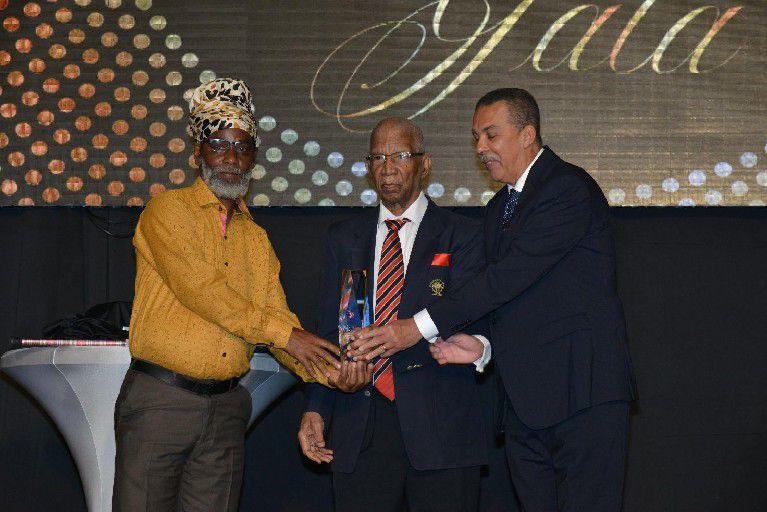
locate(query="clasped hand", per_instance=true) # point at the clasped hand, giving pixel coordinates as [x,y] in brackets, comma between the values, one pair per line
[383,340]
[352,376]
[457,349]
[316,355]
[319,357]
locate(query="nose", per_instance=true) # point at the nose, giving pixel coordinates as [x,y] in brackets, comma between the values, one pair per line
[389,165]
[480,145]
[230,157]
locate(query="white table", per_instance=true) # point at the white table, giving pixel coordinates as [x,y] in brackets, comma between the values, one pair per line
[78,387]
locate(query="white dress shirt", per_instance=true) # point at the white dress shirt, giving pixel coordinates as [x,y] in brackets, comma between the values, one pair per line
[407,234]
[423,321]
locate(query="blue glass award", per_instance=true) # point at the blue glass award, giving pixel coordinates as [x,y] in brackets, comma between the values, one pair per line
[354,308]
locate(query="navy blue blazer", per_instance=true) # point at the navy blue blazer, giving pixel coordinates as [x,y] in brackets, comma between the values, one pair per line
[556,323]
[439,410]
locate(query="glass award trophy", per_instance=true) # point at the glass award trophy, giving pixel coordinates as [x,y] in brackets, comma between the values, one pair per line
[354,308]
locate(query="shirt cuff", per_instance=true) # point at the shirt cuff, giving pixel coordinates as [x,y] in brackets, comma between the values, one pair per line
[277,332]
[487,353]
[426,326]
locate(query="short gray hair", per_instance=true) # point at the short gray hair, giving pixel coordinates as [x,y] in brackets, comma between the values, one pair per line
[406,125]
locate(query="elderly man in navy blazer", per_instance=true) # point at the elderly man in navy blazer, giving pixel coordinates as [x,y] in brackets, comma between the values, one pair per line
[556,323]
[411,435]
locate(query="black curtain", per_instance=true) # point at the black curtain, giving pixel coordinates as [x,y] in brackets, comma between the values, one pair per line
[694,287]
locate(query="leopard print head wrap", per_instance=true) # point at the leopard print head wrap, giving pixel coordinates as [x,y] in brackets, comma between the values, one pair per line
[220,104]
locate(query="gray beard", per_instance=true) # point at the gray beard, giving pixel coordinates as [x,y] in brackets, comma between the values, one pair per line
[223,189]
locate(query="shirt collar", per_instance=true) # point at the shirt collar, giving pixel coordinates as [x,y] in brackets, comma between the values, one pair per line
[520,184]
[415,211]
[206,197]
[241,207]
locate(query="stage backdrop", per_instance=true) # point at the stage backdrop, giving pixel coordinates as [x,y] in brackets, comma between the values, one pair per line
[662,101]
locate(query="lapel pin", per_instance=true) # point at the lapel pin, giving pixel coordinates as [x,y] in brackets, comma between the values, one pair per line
[437,287]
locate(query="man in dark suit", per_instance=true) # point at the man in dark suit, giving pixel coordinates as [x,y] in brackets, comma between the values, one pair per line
[556,322]
[414,436]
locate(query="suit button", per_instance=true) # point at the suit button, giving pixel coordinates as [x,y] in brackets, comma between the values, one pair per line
[367,392]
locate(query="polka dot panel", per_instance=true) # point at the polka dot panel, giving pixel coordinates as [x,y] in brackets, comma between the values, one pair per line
[88,117]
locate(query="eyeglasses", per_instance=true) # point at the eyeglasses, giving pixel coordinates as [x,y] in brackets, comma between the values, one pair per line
[398,158]
[241,147]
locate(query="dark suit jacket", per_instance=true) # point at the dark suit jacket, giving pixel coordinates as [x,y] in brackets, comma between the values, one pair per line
[556,322]
[438,407]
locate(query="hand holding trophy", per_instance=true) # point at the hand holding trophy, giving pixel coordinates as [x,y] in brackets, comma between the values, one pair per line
[353,313]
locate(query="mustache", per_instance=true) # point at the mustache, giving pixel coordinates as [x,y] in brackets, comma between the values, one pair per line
[487,158]
[227,168]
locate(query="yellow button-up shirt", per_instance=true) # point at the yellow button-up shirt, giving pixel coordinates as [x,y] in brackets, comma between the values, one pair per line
[205,298]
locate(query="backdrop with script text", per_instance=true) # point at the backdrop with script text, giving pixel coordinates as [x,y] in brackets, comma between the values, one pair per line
[662,101]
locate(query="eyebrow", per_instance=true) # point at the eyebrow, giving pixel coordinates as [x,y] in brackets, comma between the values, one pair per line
[485,129]
[394,152]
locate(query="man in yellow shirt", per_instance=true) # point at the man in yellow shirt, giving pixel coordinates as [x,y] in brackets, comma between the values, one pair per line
[207,292]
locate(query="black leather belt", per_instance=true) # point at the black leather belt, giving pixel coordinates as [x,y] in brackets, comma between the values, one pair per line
[201,387]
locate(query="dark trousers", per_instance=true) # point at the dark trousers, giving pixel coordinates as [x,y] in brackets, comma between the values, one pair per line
[575,466]
[384,480]
[177,450]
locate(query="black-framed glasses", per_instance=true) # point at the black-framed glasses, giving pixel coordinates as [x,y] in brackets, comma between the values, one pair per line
[397,158]
[241,147]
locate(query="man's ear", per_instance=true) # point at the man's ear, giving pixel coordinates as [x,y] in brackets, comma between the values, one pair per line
[528,136]
[197,154]
[425,168]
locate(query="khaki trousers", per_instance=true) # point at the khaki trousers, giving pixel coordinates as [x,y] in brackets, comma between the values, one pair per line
[177,450]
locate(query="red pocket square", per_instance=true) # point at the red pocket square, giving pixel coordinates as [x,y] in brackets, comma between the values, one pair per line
[441,259]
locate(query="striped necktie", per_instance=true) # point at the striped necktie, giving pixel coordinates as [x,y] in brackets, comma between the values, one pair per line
[391,278]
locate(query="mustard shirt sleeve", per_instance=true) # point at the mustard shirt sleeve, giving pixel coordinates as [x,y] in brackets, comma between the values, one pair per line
[164,238]
[278,307]
[281,319]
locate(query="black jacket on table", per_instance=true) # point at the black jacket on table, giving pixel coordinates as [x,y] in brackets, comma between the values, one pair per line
[556,323]
[439,411]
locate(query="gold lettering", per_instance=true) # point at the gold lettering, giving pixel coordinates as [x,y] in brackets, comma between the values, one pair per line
[417,86]
[578,50]
[678,26]
[549,35]
[497,33]
[669,37]
[497,37]
[630,26]
[715,28]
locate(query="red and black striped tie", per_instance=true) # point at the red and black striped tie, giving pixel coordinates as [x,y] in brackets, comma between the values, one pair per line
[391,278]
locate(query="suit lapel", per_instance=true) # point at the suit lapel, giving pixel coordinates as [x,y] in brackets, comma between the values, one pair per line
[493,223]
[420,260]
[537,175]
